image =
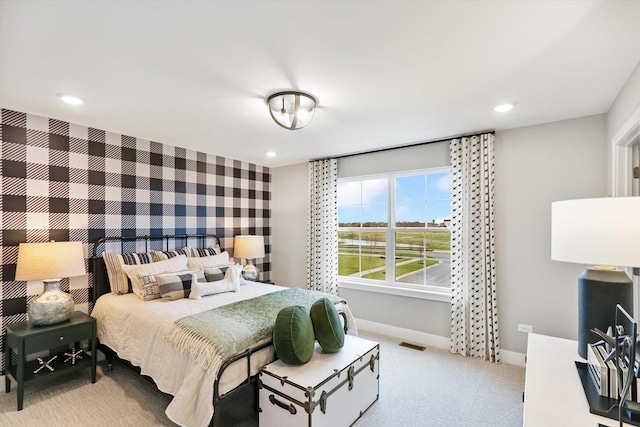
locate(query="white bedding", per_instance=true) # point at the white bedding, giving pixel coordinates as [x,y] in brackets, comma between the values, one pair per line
[135,330]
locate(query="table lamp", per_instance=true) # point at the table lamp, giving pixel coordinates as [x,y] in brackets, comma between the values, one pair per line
[50,262]
[249,248]
[605,232]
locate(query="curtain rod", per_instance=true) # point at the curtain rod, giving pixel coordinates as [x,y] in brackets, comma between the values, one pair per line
[413,144]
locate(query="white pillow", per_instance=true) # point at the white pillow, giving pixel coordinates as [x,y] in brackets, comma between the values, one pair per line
[230,283]
[134,272]
[210,261]
[150,287]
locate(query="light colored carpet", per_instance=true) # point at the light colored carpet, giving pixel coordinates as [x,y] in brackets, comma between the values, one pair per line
[428,388]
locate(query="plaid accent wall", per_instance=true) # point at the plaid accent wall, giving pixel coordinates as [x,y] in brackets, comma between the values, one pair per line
[61,181]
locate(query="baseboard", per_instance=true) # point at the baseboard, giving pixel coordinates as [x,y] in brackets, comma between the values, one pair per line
[423,338]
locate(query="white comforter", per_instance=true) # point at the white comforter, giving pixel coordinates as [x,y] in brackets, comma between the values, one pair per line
[135,329]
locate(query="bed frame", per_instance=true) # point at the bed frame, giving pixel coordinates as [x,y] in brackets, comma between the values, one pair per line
[235,406]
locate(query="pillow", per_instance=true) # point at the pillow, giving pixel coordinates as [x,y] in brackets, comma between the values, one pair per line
[164,255]
[201,289]
[203,252]
[210,261]
[175,286]
[327,326]
[213,274]
[134,272]
[117,275]
[150,290]
[293,337]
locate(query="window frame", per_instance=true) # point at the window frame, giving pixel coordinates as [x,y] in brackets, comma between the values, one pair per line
[390,286]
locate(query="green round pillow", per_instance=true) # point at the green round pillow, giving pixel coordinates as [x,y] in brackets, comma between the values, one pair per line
[327,326]
[293,336]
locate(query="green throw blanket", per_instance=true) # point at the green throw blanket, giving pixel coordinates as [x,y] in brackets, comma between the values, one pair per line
[215,335]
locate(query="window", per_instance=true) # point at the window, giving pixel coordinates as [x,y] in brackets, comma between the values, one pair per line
[395,230]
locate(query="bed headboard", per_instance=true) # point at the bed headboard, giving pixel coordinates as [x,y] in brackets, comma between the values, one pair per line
[101,280]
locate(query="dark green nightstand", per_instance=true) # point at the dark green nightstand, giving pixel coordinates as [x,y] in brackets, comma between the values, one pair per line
[23,338]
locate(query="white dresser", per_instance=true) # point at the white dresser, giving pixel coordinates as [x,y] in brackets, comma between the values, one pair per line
[553,395]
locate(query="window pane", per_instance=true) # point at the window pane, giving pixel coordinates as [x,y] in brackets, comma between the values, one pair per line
[438,214]
[410,188]
[363,202]
[411,214]
[349,216]
[349,193]
[423,258]
[374,215]
[439,186]
[374,191]
[362,254]
[372,258]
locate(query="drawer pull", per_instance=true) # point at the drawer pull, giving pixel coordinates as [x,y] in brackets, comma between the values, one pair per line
[61,338]
[351,374]
[292,409]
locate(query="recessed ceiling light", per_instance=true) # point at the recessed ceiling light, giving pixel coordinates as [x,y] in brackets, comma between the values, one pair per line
[503,108]
[70,99]
[270,154]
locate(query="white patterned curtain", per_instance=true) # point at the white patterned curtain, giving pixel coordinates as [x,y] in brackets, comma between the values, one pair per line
[474,308]
[322,227]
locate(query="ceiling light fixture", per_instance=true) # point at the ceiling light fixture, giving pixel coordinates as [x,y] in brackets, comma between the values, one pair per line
[270,154]
[503,108]
[292,109]
[70,99]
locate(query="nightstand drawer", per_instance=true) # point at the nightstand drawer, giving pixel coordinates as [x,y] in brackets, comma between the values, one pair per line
[67,336]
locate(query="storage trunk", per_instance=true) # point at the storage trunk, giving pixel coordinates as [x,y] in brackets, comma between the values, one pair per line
[331,390]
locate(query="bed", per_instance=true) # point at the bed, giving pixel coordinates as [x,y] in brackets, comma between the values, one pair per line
[133,331]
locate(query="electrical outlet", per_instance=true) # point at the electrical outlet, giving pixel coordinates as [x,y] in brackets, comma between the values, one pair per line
[525,328]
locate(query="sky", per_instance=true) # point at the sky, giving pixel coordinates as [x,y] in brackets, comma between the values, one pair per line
[418,198]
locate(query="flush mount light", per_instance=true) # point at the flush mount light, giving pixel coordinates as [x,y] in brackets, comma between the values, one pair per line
[503,108]
[291,109]
[270,154]
[73,100]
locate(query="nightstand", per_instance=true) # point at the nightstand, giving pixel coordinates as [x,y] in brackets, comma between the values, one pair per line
[23,338]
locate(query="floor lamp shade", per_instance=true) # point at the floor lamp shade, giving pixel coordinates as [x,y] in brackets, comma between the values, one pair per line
[249,248]
[604,232]
[50,262]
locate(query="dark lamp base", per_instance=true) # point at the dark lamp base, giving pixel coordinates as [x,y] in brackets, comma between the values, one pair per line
[598,293]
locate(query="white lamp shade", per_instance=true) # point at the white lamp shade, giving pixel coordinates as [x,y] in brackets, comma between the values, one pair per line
[604,231]
[51,260]
[248,247]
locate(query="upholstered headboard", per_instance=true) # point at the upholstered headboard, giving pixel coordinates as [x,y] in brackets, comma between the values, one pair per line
[134,243]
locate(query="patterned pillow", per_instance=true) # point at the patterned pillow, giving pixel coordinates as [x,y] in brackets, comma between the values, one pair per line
[117,276]
[175,286]
[213,274]
[200,252]
[165,255]
[150,289]
[210,261]
[134,272]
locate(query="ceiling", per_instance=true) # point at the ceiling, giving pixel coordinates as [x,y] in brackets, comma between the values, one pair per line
[385,73]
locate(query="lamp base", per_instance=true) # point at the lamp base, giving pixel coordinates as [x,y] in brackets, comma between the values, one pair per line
[250,272]
[598,293]
[52,306]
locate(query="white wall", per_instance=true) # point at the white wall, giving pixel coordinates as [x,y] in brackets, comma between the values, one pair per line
[535,166]
[625,104]
[289,201]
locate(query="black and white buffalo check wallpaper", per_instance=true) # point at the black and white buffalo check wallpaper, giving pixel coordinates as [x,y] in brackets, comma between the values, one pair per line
[61,181]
